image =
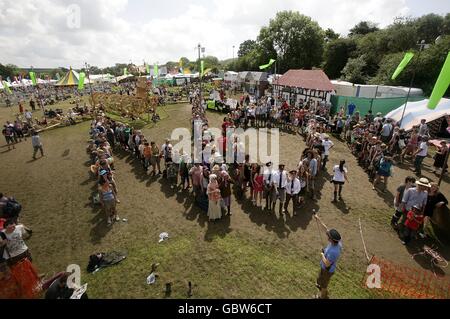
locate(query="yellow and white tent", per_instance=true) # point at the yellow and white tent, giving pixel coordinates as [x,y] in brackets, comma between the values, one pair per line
[70,79]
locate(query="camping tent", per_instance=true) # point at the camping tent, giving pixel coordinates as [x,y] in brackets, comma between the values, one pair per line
[416,111]
[70,79]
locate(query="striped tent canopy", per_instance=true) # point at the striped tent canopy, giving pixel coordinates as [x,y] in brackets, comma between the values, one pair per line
[70,79]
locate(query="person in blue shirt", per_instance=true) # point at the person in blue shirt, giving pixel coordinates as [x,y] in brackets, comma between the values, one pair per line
[351,109]
[329,258]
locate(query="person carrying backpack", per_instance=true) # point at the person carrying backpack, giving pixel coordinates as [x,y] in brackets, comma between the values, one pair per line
[384,170]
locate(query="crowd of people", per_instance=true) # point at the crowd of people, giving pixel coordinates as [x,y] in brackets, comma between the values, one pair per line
[376,142]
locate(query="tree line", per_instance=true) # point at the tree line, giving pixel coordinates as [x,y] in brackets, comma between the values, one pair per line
[367,55]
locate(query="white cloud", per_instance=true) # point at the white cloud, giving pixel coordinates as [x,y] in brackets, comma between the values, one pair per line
[36,32]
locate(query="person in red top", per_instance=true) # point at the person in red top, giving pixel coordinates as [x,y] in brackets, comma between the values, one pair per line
[413,222]
[285,105]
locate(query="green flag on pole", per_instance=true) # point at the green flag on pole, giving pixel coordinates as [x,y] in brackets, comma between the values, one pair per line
[7,89]
[202,68]
[147,68]
[155,70]
[81,81]
[403,64]
[268,65]
[125,71]
[58,77]
[441,86]
[33,78]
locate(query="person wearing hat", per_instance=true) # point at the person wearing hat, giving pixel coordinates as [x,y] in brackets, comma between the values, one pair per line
[415,196]
[420,155]
[268,186]
[213,191]
[293,188]
[279,182]
[329,258]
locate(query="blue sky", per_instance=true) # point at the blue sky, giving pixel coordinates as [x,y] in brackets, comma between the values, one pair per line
[39,33]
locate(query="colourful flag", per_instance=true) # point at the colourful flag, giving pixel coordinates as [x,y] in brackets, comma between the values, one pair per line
[202,68]
[7,89]
[33,78]
[81,81]
[403,64]
[155,71]
[125,71]
[268,65]
[441,86]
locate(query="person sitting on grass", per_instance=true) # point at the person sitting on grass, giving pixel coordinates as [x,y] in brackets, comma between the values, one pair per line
[414,220]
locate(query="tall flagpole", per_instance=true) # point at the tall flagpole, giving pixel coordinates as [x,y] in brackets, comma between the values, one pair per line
[422,46]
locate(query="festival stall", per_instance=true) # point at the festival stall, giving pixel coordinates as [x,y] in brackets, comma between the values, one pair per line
[437,119]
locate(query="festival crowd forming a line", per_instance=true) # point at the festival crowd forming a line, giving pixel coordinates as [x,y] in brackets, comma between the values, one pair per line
[376,142]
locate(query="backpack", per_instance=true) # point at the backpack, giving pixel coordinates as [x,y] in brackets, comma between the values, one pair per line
[12,208]
[385,166]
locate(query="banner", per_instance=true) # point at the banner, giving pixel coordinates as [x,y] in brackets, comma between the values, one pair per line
[403,64]
[155,71]
[441,85]
[268,65]
[7,89]
[33,78]
[81,81]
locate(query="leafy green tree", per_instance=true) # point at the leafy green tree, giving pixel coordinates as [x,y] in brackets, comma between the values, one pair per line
[8,70]
[429,27]
[331,35]
[363,28]
[296,38]
[337,53]
[354,70]
[246,47]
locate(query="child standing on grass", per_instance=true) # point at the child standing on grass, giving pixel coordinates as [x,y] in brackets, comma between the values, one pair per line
[414,220]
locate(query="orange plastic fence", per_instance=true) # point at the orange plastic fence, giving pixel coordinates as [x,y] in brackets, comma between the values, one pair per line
[405,282]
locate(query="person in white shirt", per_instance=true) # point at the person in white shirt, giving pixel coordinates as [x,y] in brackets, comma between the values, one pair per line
[386,132]
[268,187]
[339,179]
[313,169]
[279,182]
[327,146]
[293,188]
[420,155]
[166,152]
[423,128]
[37,145]
[28,117]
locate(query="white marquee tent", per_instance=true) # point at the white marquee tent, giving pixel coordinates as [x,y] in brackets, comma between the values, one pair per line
[416,111]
